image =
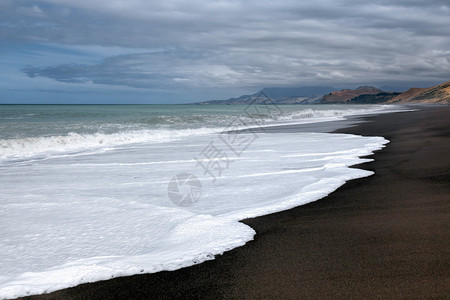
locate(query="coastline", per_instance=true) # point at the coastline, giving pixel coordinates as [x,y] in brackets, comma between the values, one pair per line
[375,237]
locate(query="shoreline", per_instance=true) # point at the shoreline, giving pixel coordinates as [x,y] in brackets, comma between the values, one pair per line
[381,236]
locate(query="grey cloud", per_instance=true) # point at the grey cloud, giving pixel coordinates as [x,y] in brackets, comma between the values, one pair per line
[73,92]
[181,68]
[239,43]
[150,23]
[148,70]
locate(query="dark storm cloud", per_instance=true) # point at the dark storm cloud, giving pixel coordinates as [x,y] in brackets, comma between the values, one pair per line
[239,43]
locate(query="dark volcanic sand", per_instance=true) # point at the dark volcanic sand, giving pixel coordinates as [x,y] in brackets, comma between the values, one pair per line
[385,236]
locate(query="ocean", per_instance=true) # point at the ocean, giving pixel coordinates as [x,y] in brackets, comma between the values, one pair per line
[93,192]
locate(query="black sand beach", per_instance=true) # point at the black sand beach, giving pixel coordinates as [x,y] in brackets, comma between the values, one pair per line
[385,236]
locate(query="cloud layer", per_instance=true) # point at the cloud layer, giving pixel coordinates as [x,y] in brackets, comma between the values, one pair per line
[236,44]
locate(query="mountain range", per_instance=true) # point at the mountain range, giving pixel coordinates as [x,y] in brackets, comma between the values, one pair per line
[439,94]
[280,95]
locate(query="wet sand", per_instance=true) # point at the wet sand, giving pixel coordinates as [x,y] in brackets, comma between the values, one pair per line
[384,236]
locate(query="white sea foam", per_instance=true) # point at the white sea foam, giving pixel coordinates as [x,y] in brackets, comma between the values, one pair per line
[75,142]
[75,219]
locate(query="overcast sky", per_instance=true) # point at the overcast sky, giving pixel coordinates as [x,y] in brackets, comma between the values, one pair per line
[139,51]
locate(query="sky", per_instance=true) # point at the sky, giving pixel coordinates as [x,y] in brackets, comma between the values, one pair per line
[139,51]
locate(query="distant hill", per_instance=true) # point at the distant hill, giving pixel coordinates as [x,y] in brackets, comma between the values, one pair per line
[280,95]
[382,97]
[306,91]
[439,94]
[345,96]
